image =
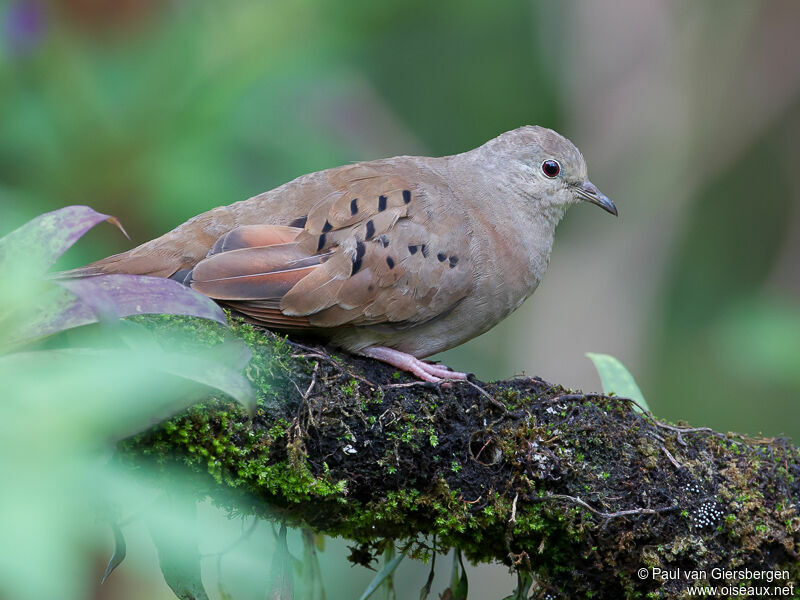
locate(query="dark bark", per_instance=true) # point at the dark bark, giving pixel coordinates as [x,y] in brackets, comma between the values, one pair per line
[580,490]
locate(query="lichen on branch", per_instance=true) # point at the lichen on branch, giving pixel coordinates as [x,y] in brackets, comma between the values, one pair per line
[580,490]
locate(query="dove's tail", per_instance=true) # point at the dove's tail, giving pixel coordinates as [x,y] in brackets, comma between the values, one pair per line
[176,250]
[130,262]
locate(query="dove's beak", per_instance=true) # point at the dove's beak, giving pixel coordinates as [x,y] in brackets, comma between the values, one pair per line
[588,191]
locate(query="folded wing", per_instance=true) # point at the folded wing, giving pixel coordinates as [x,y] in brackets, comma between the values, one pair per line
[366,255]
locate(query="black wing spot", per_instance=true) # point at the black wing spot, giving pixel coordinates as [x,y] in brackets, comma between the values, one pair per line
[370,229]
[412,249]
[453,261]
[360,250]
[381,203]
[384,240]
[406,196]
[354,206]
[299,222]
[424,249]
[321,243]
[390,262]
[327,227]
[441,256]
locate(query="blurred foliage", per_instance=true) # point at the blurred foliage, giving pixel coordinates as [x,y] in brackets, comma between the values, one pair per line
[156,111]
[733,237]
[761,337]
[64,405]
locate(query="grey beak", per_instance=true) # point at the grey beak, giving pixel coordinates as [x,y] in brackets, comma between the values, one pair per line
[588,191]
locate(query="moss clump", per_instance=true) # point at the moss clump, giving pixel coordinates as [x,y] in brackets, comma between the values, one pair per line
[552,482]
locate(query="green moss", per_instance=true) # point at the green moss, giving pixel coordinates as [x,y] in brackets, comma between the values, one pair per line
[350,389]
[371,462]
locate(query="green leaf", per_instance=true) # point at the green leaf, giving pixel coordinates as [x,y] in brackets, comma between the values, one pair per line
[459,585]
[281,581]
[382,576]
[524,583]
[310,576]
[148,369]
[426,589]
[459,588]
[617,379]
[120,550]
[178,555]
[210,373]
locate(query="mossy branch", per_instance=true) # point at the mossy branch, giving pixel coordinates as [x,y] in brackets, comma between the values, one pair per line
[580,490]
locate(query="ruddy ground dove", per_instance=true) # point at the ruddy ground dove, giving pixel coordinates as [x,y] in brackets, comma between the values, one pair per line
[394,259]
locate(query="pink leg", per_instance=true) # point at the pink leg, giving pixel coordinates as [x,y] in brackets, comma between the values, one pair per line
[406,362]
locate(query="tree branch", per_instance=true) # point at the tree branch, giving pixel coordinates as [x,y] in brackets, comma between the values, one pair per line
[580,490]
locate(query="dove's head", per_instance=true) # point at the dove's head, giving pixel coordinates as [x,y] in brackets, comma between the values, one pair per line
[545,168]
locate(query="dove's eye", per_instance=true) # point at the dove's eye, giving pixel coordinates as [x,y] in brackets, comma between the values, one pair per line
[551,168]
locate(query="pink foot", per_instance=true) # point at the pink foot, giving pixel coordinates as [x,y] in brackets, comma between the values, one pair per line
[424,370]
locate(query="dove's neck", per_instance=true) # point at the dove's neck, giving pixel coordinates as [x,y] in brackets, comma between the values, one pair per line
[490,184]
[512,229]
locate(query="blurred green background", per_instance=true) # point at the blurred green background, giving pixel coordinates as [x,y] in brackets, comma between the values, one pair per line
[688,115]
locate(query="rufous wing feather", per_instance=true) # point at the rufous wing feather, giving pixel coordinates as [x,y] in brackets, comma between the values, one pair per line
[366,255]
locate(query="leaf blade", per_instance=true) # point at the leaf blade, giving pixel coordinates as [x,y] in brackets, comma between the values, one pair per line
[382,575]
[120,551]
[126,295]
[617,379]
[281,580]
[178,556]
[42,240]
[213,374]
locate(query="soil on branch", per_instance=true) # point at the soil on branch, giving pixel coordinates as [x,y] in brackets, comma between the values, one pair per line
[581,490]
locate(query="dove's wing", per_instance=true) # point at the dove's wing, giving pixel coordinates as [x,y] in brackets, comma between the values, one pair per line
[371,250]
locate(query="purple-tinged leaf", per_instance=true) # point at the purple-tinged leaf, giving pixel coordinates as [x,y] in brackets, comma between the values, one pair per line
[41,241]
[52,311]
[77,302]
[126,295]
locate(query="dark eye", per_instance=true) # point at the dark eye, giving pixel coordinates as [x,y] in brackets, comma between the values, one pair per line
[551,168]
